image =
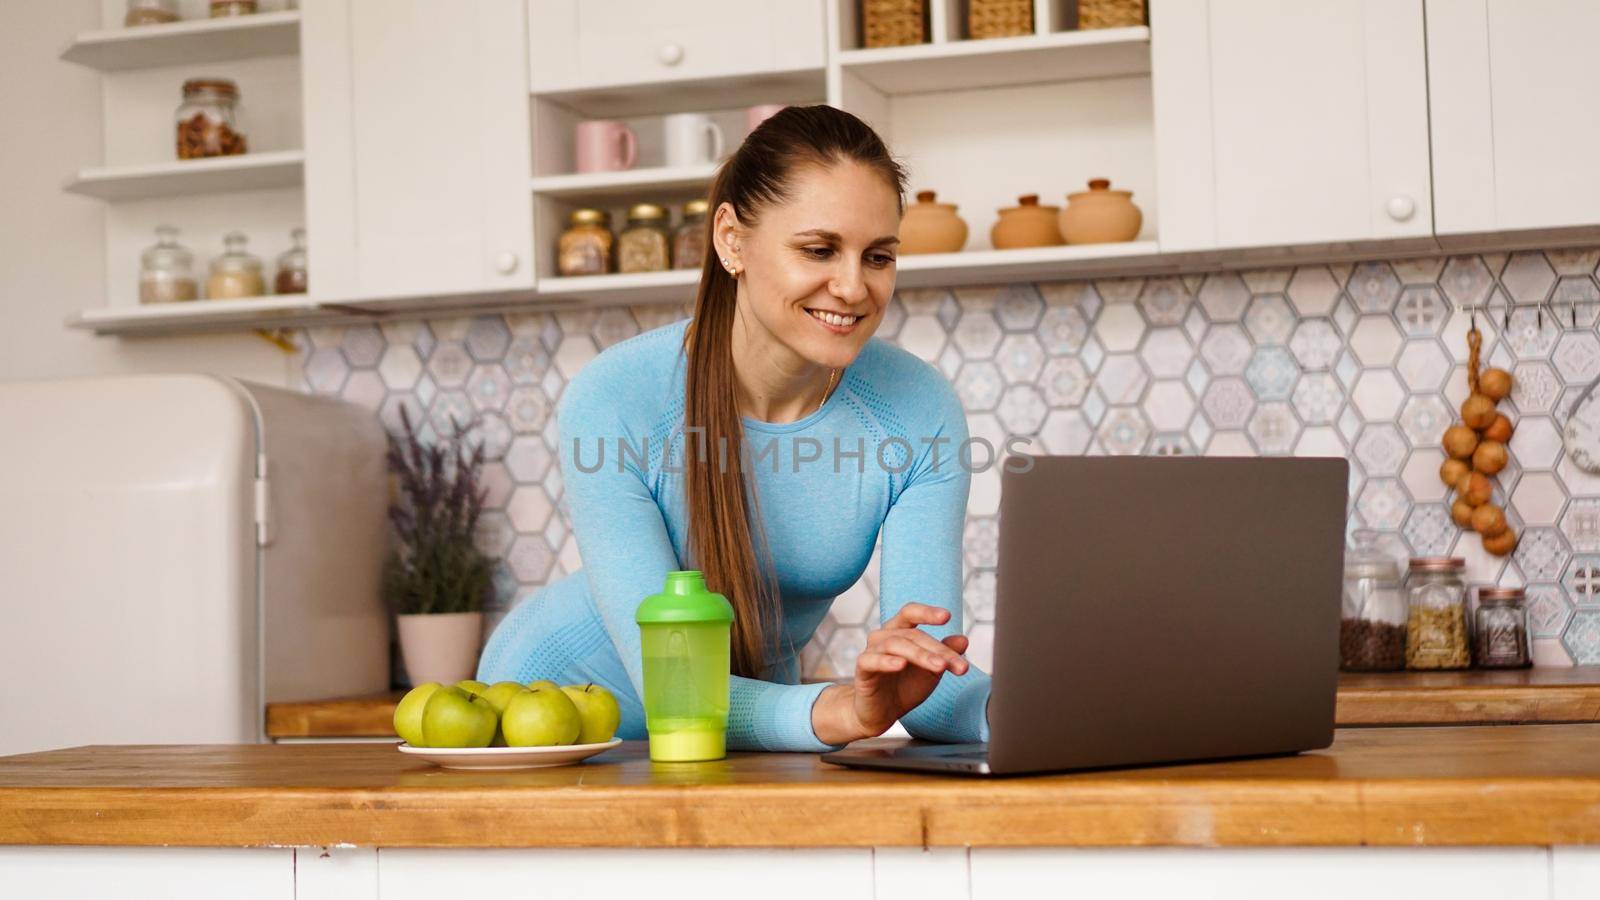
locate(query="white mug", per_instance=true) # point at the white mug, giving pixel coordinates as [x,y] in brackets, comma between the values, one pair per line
[691,139]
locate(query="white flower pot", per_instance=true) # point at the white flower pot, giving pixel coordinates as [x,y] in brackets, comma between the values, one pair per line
[442,647]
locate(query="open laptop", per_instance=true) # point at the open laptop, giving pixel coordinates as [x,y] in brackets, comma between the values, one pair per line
[1156,609]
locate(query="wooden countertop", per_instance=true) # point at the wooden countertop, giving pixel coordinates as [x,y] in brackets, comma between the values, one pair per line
[1515,785]
[1392,698]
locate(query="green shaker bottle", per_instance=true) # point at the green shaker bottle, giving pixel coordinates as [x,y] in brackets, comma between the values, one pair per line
[684,635]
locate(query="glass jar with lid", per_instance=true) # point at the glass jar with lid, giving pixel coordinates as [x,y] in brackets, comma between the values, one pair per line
[1372,622]
[689,238]
[166,270]
[1500,629]
[291,277]
[643,245]
[587,247]
[207,118]
[151,12]
[1436,614]
[235,273]
[224,8]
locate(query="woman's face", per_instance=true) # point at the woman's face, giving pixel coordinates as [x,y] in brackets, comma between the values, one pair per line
[829,249]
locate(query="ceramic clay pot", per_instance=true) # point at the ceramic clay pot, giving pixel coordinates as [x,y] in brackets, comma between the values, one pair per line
[1100,215]
[1027,225]
[929,227]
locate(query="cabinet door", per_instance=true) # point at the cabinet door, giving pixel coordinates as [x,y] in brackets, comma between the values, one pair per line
[418,147]
[602,42]
[1289,123]
[1511,86]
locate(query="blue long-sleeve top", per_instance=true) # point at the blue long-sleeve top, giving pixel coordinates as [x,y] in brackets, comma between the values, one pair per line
[885,445]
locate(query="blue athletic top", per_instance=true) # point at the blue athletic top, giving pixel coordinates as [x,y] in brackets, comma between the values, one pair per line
[881,453]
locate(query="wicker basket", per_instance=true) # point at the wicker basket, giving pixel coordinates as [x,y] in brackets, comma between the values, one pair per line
[1110,13]
[999,18]
[893,23]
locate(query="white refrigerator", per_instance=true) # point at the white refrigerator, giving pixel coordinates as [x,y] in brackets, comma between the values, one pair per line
[176,551]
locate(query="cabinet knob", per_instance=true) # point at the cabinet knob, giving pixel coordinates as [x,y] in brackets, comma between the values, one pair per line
[506,262]
[670,54]
[1401,207]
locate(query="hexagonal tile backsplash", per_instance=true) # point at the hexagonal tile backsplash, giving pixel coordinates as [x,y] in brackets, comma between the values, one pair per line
[1365,361]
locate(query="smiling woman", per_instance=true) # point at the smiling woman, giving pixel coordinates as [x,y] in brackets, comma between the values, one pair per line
[719,425]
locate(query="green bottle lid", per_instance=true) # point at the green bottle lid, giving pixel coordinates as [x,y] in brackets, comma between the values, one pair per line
[684,599]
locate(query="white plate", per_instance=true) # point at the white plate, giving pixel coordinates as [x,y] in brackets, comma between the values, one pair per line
[507,757]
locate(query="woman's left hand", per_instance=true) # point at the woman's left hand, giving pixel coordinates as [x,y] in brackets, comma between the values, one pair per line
[901,666]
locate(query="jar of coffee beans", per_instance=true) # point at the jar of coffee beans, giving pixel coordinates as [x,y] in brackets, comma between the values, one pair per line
[1500,632]
[1436,614]
[1372,623]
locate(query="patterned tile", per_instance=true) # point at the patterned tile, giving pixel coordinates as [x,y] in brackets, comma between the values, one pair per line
[1226,349]
[1228,403]
[1274,429]
[1269,319]
[1421,310]
[1381,450]
[979,384]
[1224,297]
[1313,290]
[1064,381]
[1169,405]
[1020,357]
[1528,277]
[1164,301]
[1372,286]
[976,335]
[1582,638]
[1166,352]
[1424,419]
[1580,524]
[1124,431]
[1316,344]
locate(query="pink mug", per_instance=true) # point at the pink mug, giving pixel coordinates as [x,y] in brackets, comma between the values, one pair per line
[605,145]
[755,115]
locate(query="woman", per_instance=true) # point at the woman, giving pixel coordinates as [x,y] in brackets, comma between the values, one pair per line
[815,438]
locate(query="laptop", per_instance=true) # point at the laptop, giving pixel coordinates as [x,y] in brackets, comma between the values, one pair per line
[1156,610]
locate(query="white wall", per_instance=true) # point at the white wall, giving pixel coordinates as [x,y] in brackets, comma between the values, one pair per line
[52,256]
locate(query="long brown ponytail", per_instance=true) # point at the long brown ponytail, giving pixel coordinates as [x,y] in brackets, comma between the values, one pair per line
[722,522]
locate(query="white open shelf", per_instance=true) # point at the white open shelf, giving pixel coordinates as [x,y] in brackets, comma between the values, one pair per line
[198,315]
[245,172]
[989,266]
[998,62]
[673,285]
[654,98]
[627,183]
[189,42]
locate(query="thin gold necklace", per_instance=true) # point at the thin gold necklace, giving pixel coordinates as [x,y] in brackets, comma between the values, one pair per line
[832,374]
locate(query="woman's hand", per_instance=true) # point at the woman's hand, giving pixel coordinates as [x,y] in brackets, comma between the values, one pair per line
[899,668]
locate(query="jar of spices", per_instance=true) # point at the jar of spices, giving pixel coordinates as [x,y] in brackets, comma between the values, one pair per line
[1372,623]
[689,238]
[151,12]
[235,273]
[291,278]
[643,245]
[166,270]
[1500,632]
[587,246]
[223,8]
[208,119]
[1436,614]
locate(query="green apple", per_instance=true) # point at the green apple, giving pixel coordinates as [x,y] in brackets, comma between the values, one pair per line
[544,683]
[455,718]
[541,717]
[500,693]
[475,688]
[408,715]
[597,709]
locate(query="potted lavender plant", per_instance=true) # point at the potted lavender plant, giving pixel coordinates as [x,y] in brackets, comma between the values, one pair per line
[436,577]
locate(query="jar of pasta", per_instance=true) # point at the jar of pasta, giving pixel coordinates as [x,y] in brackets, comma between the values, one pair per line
[1436,614]
[151,12]
[689,238]
[235,273]
[586,247]
[643,245]
[223,8]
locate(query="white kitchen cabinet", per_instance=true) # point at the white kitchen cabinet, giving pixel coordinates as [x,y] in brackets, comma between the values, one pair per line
[171,873]
[1511,86]
[595,43]
[417,152]
[1290,123]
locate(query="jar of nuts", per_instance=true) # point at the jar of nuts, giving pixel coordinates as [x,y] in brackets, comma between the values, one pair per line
[586,247]
[689,238]
[235,273]
[1500,633]
[224,8]
[166,270]
[151,12]
[208,119]
[292,275]
[1372,624]
[1436,614]
[644,246]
